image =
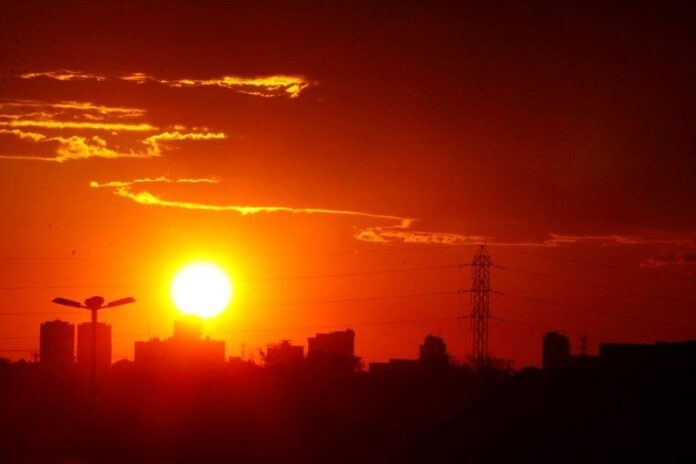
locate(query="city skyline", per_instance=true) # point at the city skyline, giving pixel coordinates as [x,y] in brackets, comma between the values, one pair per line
[318,164]
[343,232]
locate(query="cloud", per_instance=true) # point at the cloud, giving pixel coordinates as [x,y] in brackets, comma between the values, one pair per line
[156,180]
[620,240]
[125,189]
[671,259]
[77,147]
[104,126]
[64,75]
[402,234]
[154,142]
[50,120]
[399,231]
[33,136]
[267,86]
[261,86]
[146,198]
[67,106]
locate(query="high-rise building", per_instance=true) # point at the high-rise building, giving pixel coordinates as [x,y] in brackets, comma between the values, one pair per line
[555,351]
[84,346]
[433,353]
[57,344]
[333,344]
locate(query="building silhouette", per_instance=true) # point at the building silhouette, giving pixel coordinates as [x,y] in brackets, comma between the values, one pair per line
[186,349]
[84,346]
[396,367]
[555,351]
[432,356]
[433,353]
[340,343]
[333,352]
[674,357]
[283,355]
[57,344]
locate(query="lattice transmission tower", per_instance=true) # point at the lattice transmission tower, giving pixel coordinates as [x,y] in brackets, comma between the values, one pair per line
[481,305]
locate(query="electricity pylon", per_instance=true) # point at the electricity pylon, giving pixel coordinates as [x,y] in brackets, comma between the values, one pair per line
[481,305]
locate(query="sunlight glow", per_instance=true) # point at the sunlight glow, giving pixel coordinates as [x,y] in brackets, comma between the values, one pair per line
[201,289]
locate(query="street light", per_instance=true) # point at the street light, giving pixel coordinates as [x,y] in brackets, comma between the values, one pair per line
[93,304]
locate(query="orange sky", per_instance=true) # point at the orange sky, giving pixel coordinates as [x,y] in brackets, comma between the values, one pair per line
[294,144]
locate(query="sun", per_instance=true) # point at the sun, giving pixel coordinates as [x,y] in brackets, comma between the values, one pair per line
[201,289]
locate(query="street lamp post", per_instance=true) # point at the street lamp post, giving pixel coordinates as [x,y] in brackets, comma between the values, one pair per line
[93,304]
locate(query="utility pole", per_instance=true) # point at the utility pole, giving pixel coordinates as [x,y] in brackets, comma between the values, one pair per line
[481,305]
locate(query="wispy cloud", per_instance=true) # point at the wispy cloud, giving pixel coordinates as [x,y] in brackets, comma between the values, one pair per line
[398,229]
[154,142]
[33,136]
[154,180]
[403,234]
[103,126]
[82,108]
[76,147]
[261,86]
[125,189]
[49,122]
[64,75]
[620,240]
[671,259]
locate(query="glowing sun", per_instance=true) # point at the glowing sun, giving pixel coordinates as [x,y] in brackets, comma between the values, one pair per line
[201,289]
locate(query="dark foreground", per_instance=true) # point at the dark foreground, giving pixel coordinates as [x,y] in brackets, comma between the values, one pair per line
[253,415]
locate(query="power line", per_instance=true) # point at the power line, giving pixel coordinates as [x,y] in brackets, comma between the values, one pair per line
[260,279]
[605,313]
[605,287]
[590,264]
[288,329]
[351,300]
[333,326]
[545,328]
[269,253]
[359,273]
[276,304]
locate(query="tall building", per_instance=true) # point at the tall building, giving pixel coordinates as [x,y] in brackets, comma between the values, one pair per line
[57,344]
[433,353]
[555,351]
[84,346]
[334,344]
[185,350]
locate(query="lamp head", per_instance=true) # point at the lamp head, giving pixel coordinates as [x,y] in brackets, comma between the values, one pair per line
[66,302]
[94,302]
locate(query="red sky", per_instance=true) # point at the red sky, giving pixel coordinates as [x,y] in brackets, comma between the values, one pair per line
[289,142]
